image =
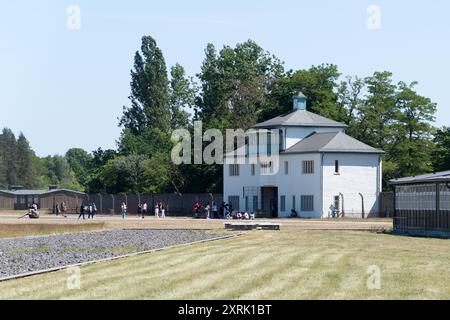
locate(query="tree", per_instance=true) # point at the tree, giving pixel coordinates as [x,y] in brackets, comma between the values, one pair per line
[79,161]
[379,111]
[413,145]
[319,84]
[350,101]
[60,173]
[26,175]
[235,85]
[182,97]
[441,155]
[3,178]
[149,91]
[8,151]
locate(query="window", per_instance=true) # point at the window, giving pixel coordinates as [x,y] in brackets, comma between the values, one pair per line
[286,167]
[293,202]
[307,203]
[266,168]
[234,170]
[234,201]
[246,203]
[282,203]
[336,166]
[255,203]
[308,167]
[253,169]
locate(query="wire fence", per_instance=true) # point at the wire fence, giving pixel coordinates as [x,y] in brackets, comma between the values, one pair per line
[175,204]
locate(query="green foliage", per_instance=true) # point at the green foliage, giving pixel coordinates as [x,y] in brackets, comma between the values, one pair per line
[235,83]
[149,91]
[441,154]
[182,97]
[79,161]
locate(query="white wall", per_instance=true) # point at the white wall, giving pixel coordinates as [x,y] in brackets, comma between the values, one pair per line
[295,183]
[358,173]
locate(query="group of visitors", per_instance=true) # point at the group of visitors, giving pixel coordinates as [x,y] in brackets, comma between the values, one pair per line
[225,211]
[240,215]
[60,209]
[160,210]
[90,209]
[142,209]
[207,211]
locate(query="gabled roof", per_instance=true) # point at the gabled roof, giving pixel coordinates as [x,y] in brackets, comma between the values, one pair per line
[300,118]
[333,142]
[443,176]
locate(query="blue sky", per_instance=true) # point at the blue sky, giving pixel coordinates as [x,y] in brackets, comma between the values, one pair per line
[66,88]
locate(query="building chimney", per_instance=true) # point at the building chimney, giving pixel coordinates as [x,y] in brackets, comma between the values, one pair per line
[300,101]
[52,187]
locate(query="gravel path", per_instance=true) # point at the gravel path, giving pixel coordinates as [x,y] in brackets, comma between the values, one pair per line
[24,255]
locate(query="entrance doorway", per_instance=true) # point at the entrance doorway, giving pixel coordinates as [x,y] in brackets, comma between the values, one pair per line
[270,201]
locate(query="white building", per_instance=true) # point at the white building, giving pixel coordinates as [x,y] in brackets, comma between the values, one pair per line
[321,171]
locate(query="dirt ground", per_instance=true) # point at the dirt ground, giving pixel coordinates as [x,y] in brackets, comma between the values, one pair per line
[10,220]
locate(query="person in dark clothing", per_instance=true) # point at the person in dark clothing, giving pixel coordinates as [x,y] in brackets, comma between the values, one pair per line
[82,213]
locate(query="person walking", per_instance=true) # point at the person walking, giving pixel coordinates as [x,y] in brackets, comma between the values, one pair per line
[82,212]
[90,211]
[123,210]
[57,210]
[94,210]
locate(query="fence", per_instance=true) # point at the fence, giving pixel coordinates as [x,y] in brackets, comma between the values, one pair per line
[175,204]
[424,207]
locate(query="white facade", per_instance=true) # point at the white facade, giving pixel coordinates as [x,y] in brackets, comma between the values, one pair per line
[345,179]
[358,182]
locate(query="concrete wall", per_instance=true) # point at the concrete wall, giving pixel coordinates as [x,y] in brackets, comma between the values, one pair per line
[358,174]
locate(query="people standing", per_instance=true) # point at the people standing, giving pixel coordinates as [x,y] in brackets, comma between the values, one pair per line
[90,211]
[57,210]
[123,210]
[197,207]
[82,212]
[215,211]
[144,209]
[163,210]
[207,210]
[94,210]
[156,210]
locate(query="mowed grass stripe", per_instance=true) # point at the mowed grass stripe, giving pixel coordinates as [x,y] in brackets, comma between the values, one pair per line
[289,264]
[98,273]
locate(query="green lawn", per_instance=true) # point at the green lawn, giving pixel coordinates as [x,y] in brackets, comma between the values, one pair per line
[289,264]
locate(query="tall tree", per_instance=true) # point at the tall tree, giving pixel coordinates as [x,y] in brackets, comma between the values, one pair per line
[26,174]
[8,151]
[441,155]
[182,97]
[413,146]
[149,91]
[3,178]
[235,85]
[319,84]
[379,111]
